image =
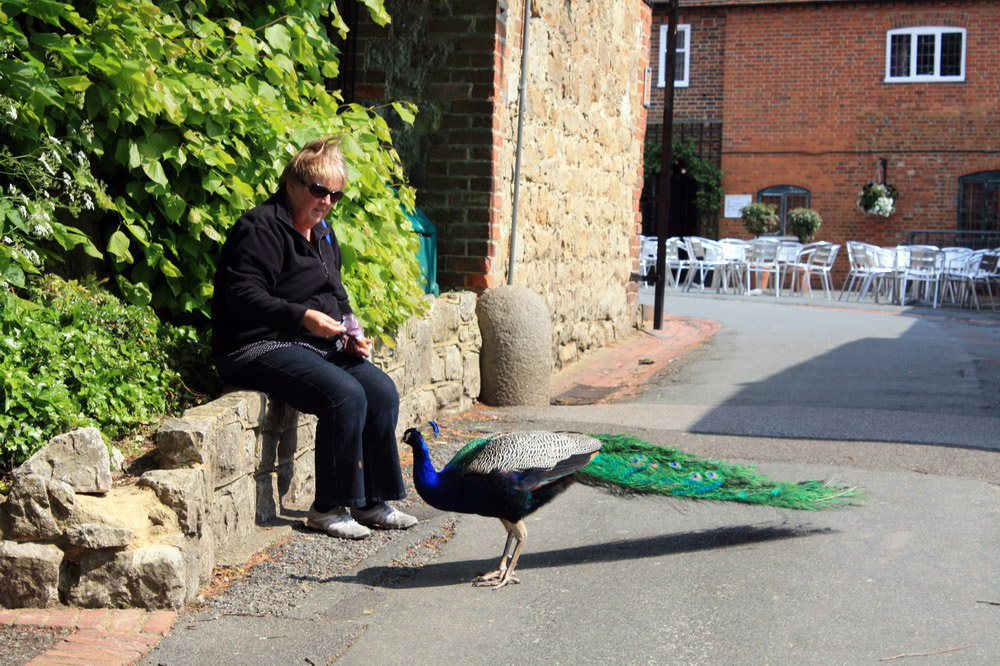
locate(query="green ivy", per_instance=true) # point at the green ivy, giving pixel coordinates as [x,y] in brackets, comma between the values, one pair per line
[705,174]
[75,356]
[185,113]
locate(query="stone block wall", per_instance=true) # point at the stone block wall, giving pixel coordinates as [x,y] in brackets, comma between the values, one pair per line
[224,468]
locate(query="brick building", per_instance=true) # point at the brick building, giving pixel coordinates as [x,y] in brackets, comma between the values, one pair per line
[581,144]
[809,101]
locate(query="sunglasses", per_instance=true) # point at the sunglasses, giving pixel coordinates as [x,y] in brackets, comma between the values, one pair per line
[321,192]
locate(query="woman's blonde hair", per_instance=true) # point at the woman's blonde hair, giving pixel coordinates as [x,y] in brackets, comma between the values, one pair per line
[318,160]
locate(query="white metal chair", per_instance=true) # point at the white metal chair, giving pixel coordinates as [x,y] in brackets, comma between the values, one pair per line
[815,259]
[881,269]
[706,257]
[735,251]
[788,254]
[762,261]
[857,272]
[958,279]
[926,266]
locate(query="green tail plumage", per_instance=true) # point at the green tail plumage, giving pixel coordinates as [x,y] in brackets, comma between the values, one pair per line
[629,464]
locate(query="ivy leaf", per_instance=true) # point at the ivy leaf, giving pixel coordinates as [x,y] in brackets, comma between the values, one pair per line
[277,36]
[136,294]
[405,111]
[74,83]
[169,269]
[118,247]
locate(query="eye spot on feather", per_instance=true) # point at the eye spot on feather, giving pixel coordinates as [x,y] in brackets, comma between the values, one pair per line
[676,465]
[695,476]
[711,475]
[639,460]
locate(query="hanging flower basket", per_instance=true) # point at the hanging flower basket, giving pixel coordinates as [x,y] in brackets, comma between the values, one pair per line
[878,199]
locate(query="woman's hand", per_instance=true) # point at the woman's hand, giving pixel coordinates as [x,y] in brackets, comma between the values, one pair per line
[359,347]
[321,324]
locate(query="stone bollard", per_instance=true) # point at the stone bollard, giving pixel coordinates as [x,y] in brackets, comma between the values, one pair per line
[516,357]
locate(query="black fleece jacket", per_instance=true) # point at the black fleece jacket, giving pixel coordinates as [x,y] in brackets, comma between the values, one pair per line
[269,275]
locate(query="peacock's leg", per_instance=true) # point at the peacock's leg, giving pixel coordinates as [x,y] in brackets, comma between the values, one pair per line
[497,574]
[505,574]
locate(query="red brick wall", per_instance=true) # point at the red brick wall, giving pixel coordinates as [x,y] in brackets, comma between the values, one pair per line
[701,100]
[442,56]
[805,103]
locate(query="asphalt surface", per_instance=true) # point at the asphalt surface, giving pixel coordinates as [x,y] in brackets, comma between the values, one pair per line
[903,403]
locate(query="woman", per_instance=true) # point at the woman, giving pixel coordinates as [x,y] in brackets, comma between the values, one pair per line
[282,324]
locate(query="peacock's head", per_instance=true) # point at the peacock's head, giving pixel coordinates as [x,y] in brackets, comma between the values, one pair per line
[414,438]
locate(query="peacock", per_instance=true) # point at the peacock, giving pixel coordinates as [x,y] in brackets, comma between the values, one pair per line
[510,475]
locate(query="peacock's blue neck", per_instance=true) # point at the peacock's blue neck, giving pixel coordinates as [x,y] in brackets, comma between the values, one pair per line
[425,477]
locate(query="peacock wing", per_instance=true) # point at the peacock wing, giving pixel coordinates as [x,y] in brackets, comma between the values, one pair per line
[537,456]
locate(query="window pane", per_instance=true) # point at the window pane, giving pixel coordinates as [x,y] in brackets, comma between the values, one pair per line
[951,54]
[991,211]
[681,39]
[796,201]
[972,205]
[899,55]
[679,67]
[925,54]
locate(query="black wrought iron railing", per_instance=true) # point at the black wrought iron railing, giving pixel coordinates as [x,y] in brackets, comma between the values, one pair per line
[977,240]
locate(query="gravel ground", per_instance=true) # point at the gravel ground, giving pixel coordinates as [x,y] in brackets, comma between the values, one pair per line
[277,579]
[19,645]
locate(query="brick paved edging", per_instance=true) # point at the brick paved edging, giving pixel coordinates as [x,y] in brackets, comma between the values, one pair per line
[622,367]
[98,636]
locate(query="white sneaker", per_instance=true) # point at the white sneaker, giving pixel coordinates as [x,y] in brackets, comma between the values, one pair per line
[385,516]
[336,522]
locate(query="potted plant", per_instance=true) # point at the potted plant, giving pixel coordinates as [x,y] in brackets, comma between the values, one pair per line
[759,218]
[804,222]
[878,199]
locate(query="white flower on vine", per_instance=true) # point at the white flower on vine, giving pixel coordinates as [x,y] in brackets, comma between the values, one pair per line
[81,158]
[88,203]
[67,181]
[12,111]
[7,240]
[41,158]
[41,230]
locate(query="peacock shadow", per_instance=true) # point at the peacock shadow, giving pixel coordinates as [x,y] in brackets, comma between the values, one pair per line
[438,574]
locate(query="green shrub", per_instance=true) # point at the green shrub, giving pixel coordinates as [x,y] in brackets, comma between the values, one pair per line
[77,356]
[804,223]
[760,218]
[173,118]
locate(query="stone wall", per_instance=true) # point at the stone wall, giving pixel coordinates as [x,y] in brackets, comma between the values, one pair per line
[224,469]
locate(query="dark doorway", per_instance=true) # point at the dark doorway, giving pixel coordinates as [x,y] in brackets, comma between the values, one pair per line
[683,218]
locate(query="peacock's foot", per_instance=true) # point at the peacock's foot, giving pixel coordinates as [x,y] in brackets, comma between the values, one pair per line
[496,579]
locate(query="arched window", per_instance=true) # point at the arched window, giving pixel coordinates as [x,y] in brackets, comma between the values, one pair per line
[785,198]
[979,201]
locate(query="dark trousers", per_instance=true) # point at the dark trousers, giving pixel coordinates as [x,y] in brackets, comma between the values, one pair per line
[357,461]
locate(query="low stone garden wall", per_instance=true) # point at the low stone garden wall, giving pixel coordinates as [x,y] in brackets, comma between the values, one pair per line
[67,535]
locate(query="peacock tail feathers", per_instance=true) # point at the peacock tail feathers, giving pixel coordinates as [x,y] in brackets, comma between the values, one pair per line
[629,464]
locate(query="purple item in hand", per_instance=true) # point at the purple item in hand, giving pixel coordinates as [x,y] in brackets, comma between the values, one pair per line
[353,327]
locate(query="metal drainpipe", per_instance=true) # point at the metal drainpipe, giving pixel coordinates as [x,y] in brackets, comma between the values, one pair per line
[521,89]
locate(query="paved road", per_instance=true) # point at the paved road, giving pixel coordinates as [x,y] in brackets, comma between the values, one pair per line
[904,405]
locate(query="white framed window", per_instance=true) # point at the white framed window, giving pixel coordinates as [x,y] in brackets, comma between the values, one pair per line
[682,61]
[925,54]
